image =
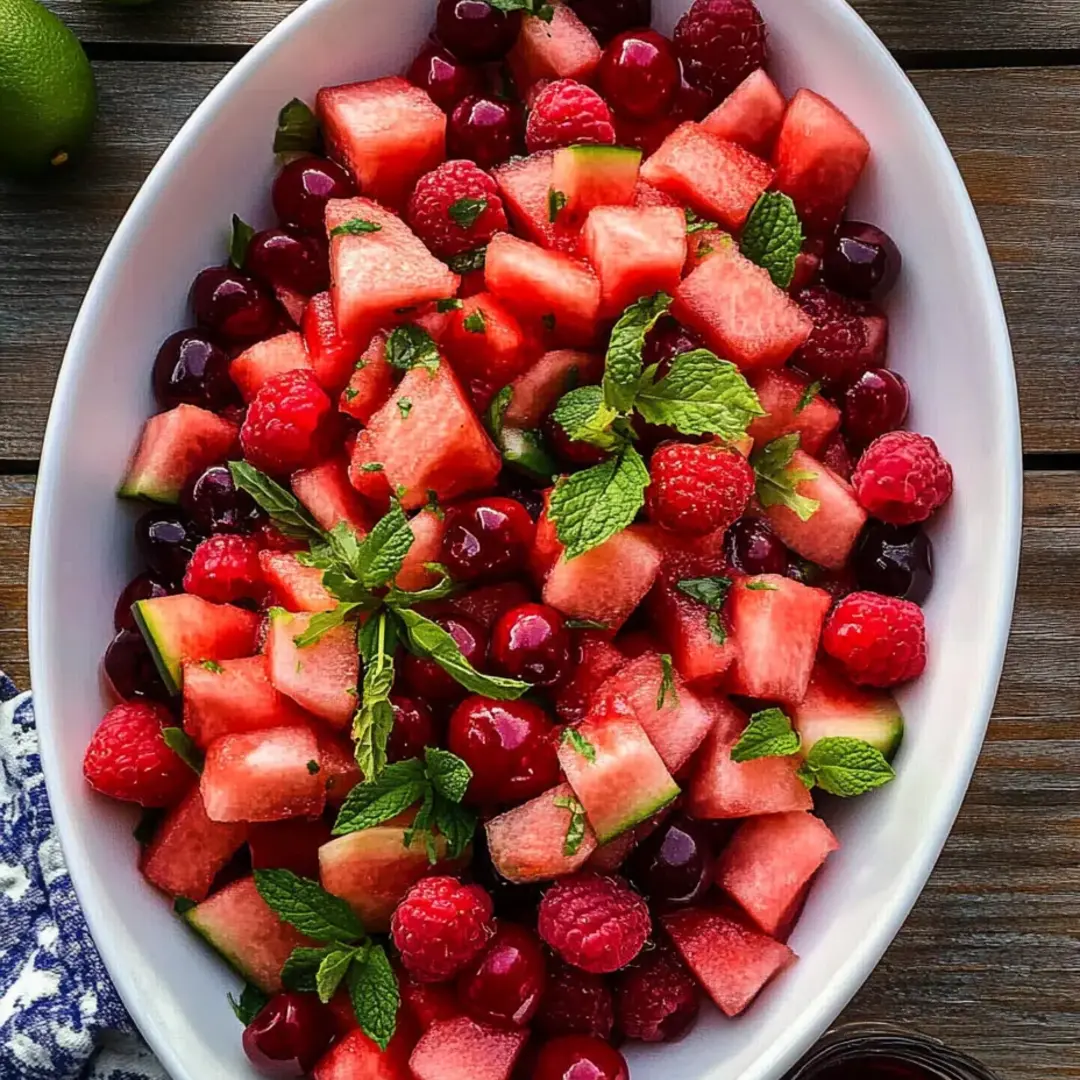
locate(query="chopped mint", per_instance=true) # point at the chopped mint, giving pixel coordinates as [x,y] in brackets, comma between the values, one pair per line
[717,630]
[475,323]
[695,224]
[667,683]
[411,346]
[586,624]
[313,767]
[451,303]
[465,211]
[773,236]
[251,1003]
[351,394]
[239,242]
[575,831]
[297,129]
[542,9]
[573,738]
[556,204]
[372,466]
[808,396]
[710,591]
[778,479]
[761,586]
[404,407]
[355,227]
[212,666]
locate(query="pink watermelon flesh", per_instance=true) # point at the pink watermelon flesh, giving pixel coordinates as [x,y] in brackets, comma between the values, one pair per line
[295,587]
[635,251]
[376,273]
[537,391]
[356,1057]
[370,384]
[427,529]
[322,677]
[333,356]
[718,179]
[770,860]
[782,395]
[488,356]
[622,781]
[340,773]
[330,498]
[751,114]
[525,186]
[739,312]
[730,960]
[561,49]
[829,536]
[819,157]
[461,1049]
[527,843]
[592,176]
[239,924]
[647,195]
[174,448]
[388,133]
[189,850]
[265,359]
[721,789]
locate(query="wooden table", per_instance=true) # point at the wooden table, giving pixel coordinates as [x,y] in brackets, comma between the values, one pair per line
[990,958]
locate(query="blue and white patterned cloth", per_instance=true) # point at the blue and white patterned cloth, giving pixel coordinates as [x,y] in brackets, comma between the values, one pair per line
[60,1016]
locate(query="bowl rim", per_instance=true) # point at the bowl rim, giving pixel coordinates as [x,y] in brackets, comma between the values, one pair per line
[798,1036]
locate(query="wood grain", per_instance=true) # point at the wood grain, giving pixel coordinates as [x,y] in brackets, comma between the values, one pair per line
[989,959]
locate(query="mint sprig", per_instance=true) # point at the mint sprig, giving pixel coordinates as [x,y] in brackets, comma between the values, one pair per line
[282,506]
[240,237]
[374,720]
[575,830]
[769,734]
[585,417]
[845,767]
[778,478]
[297,129]
[624,356]
[469,261]
[773,237]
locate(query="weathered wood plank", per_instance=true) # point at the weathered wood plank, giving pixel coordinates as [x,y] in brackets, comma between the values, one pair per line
[989,959]
[1015,132]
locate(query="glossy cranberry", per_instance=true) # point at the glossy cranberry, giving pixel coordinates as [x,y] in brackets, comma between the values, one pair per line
[166,540]
[487,539]
[668,339]
[193,369]
[289,259]
[753,548]
[861,260]
[510,747]
[575,1002]
[425,679]
[897,560]
[606,18]
[876,403]
[504,986]
[570,451]
[144,587]
[531,642]
[304,187]
[580,1057]
[476,31]
[216,505]
[674,866]
[485,130]
[446,79]
[130,669]
[233,304]
[639,74]
[414,728]
[289,1035]
[511,900]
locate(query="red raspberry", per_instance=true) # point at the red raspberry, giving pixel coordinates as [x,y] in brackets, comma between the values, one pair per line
[128,758]
[880,640]
[838,350]
[837,456]
[902,478]
[575,1003]
[440,927]
[445,210]
[657,999]
[697,489]
[568,113]
[225,568]
[288,424]
[720,42]
[598,924]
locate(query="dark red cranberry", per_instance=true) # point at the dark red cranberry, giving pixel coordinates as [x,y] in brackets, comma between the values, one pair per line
[289,1035]
[166,540]
[234,305]
[130,669]
[575,1002]
[487,539]
[289,259]
[425,679]
[861,261]
[510,747]
[485,130]
[217,505]
[668,339]
[144,587]
[476,31]
[504,986]
[876,403]
[639,74]
[897,560]
[674,866]
[289,845]
[511,901]
[580,1057]
[570,451]
[193,369]
[606,18]
[414,728]
[304,187]
[532,643]
[753,548]
[446,79]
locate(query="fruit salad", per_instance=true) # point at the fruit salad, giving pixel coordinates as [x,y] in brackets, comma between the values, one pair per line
[533,547]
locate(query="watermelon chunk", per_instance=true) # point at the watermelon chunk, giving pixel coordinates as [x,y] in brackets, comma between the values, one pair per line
[833,707]
[561,49]
[340,773]
[240,925]
[597,659]
[322,677]
[485,342]
[527,843]
[427,529]
[387,132]
[740,313]
[770,860]
[721,789]
[622,781]
[750,115]
[370,384]
[647,195]
[376,273]
[262,361]
[174,448]
[820,155]
[782,395]
[189,850]
[295,587]
[358,1056]
[330,498]
[718,179]
[592,176]
[829,536]
[332,356]
[535,393]
[730,960]
[635,251]
[525,187]
[183,627]
[461,1049]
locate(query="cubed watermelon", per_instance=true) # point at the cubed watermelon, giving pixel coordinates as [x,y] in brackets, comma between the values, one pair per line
[265,359]
[528,843]
[783,396]
[739,312]
[820,155]
[356,1057]
[174,448]
[718,179]
[330,498]
[340,772]
[535,393]
[387,132]
[563,48]
[427,529]
[525,186]
[371,382]
[292,586]
[732,961]
[592,176]
[750,115]
[597,659]
[647,195]
[333,357]
[461,1049]
[770,860]
[485,341]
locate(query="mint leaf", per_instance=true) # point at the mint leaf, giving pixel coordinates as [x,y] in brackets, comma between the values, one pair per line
[717,630]
[700,395]
[475,323]
[710,591]
[282,506]
[542,9]
[556,204]
[623,365]
[307,906]
[523,450]
[382,552]
[846,767]
[808,396]
[332,971]
[465,211]
[251,1003]
[667,683]
[769,734]
[212,666]
[585,417]
[392,792]
[404,407]
[182,905]
[456,823]
[572,737]
[575,831]
[182,745]
[449,775]
[239,242]
[372,466]
[410,346]
[695,224]
[355,227]
[593,505]
[761,586]
[773,237]
[301,970]
[451,303]
[445,586]
[297,129]
[322,622]
[374,721]
[468,262]
[586,624]
[373,988]
[778,479]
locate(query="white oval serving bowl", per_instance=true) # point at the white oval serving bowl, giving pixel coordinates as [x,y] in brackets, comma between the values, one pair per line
[949,339]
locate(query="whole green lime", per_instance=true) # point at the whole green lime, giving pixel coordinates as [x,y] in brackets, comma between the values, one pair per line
[47,96]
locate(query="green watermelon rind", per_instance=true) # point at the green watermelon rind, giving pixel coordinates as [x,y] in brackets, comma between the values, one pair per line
[170,668]
[207,933]
[884,731]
